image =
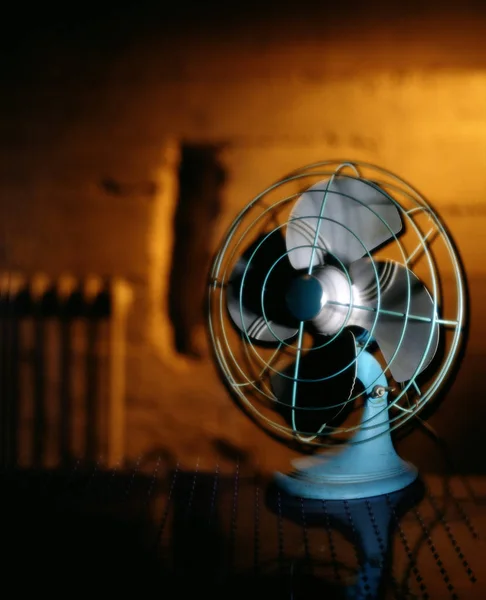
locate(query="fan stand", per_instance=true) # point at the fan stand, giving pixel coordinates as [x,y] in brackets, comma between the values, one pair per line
[368,466]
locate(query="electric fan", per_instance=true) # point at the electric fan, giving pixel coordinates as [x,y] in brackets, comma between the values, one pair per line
[331,322]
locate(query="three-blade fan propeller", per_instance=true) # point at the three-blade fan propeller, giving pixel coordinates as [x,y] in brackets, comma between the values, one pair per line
[322,275]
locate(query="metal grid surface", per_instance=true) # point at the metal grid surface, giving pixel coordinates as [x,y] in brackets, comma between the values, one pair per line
[181,533]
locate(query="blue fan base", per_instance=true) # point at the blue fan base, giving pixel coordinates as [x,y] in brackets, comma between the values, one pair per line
[368,465]
[348,475]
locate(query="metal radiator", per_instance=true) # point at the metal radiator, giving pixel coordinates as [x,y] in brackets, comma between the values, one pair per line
[62,370]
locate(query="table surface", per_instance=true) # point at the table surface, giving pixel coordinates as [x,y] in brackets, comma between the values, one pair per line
[181,533]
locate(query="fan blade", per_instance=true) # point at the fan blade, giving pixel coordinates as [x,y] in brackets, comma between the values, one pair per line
[349,228]
[420,334]
[270,323]
[316,400]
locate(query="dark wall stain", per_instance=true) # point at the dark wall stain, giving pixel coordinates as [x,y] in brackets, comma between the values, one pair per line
[114,187]
[200,199]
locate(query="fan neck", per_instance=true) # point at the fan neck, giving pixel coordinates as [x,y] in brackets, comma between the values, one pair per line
[375,416]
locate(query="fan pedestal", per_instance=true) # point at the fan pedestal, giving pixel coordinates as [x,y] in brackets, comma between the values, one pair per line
[367,466]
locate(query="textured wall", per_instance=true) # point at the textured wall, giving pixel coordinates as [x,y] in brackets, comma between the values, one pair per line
[94,115]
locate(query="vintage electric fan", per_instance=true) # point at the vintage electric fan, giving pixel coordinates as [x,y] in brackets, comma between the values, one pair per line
[331,323]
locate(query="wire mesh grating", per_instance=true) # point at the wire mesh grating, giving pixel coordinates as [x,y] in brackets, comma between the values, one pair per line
[226,533]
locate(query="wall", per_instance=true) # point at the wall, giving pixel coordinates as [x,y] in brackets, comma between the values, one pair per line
[94,116]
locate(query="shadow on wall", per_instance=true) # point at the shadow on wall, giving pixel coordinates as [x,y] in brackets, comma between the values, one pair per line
[201,178]
[453,434]
[56,374]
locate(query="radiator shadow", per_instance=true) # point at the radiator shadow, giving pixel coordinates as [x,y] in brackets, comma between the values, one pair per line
[53,373]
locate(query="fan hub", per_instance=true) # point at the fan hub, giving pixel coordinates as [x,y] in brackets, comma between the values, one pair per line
[339,298]
[305,298]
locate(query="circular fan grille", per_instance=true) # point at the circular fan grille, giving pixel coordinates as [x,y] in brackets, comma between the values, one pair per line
[334,260]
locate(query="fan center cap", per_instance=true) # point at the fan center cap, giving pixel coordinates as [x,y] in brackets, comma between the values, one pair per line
[305,298]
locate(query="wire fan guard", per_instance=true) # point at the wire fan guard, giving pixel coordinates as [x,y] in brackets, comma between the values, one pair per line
[255,355]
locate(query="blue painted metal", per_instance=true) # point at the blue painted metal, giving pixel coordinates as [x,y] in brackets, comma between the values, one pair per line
[364,338]
[305,298]
[368,466]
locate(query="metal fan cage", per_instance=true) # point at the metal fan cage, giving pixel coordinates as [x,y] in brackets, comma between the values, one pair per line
[428,243]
